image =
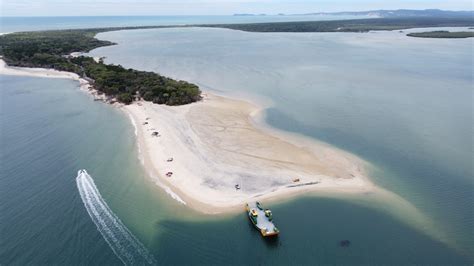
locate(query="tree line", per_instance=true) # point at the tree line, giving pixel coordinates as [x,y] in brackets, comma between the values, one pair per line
[51,49]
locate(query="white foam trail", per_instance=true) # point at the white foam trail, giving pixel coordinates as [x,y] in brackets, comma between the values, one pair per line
[122,242]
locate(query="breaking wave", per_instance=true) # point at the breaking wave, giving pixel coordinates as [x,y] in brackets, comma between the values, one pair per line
[142,161]
[123,243]
[169,191]
[135,128]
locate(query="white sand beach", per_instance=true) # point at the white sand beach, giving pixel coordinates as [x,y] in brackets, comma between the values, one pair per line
[215,146]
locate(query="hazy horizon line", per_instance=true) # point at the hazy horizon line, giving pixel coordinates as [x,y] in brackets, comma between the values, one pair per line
[250,14]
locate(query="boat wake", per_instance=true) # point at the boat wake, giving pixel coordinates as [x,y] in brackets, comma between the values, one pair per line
[122,242]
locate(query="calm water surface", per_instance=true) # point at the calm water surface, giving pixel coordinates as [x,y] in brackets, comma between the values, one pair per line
[383,97]
[50,129]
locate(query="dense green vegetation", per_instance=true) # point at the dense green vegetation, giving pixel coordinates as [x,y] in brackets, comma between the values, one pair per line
[51,49]
[442,34]
[126,84]
[42,48]
[353,25]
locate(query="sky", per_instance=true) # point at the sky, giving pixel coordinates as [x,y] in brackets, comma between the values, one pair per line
[210,7]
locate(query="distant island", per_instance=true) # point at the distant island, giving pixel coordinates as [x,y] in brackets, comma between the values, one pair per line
[398,13]
[52,49]
[350,25]
[382,13]
[442,34]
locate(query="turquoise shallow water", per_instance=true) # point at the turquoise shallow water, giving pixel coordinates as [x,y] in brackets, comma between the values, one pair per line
[54,129]
[381,95]
[399,108]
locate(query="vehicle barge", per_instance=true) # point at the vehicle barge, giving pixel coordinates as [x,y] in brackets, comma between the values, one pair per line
[262,219]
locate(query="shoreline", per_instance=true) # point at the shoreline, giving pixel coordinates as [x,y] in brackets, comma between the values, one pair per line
[264,164]
[220,194]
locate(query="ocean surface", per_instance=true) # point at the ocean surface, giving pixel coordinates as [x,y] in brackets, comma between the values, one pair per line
[13,24]
[402,107]
[54,129]
[381,95]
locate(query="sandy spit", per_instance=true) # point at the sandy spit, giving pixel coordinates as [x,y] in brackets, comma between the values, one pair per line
[217,143]
[213,145]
